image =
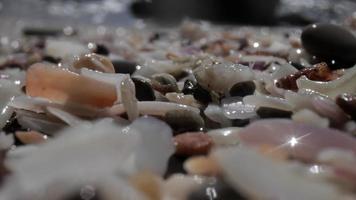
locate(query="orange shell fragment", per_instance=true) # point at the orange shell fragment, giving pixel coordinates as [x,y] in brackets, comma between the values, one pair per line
[63,86]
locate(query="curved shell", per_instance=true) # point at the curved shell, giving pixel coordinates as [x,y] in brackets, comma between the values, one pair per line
[344,84]
[63,86]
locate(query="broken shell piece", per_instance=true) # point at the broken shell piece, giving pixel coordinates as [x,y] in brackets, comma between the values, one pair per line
[164,83]
[148,184]
[179,186]
[30,137]
[129,100]
[225,136]
[267,101]
[63,86]
[154,108]
[95,62]
[309,117]
[8,92]
[186,99]
[63,48]
[201,165]
[343,84]
[66,117]
[40,122]
[228,73]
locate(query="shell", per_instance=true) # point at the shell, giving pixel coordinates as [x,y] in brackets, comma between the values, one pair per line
[309,117]
[129,99]
[344,84]
[228,72]
[268,101]
[31,137]
[154,108]
[185,99]
[201,165]
[95,62]
[63,86]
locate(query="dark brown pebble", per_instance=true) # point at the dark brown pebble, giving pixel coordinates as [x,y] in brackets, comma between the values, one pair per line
[330,42]
[193,143]
[242,89]
[102,50]
[144,91]
[266,112]
[124,67]
[347,103]
[197,91]
[184,121]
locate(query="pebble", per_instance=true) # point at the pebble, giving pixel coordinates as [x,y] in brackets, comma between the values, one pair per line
[242,89]
[347,103]
[164,83]
[266,112]
[330,43]
[184,120]
[124,67]
[197,91]
[193,143]
[144,91]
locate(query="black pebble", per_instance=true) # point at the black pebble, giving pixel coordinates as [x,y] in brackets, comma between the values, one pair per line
[175,165]
[184,121]
[240,122]
[102,50]
[298,66]
[242,89]
[217,190]
[330,43]
[124,67]
[197,91]
[347,103]
[51,59]
[266,112]
[41,32]
[144,91]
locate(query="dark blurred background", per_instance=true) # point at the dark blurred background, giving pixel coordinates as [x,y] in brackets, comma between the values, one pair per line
[128,12]
[252,12]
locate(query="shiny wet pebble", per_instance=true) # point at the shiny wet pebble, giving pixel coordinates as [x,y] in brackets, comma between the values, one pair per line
[101,49]
[347,103]
[242,89]
[164,83]
[144,91]
[331,43]
[124,67]
[266,112]
[197,91]
[193,143]
[184,120]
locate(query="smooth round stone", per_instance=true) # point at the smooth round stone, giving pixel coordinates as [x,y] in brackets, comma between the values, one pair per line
[102,50]
[197,91]
[242,89]
[144,91]
[124,67]
[184,120]
[266,112]
[164,83]
[347,103]
[330,43]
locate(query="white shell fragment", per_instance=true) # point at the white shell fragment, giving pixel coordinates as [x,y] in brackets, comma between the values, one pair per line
[309,117]
[344,84]
[263,178]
